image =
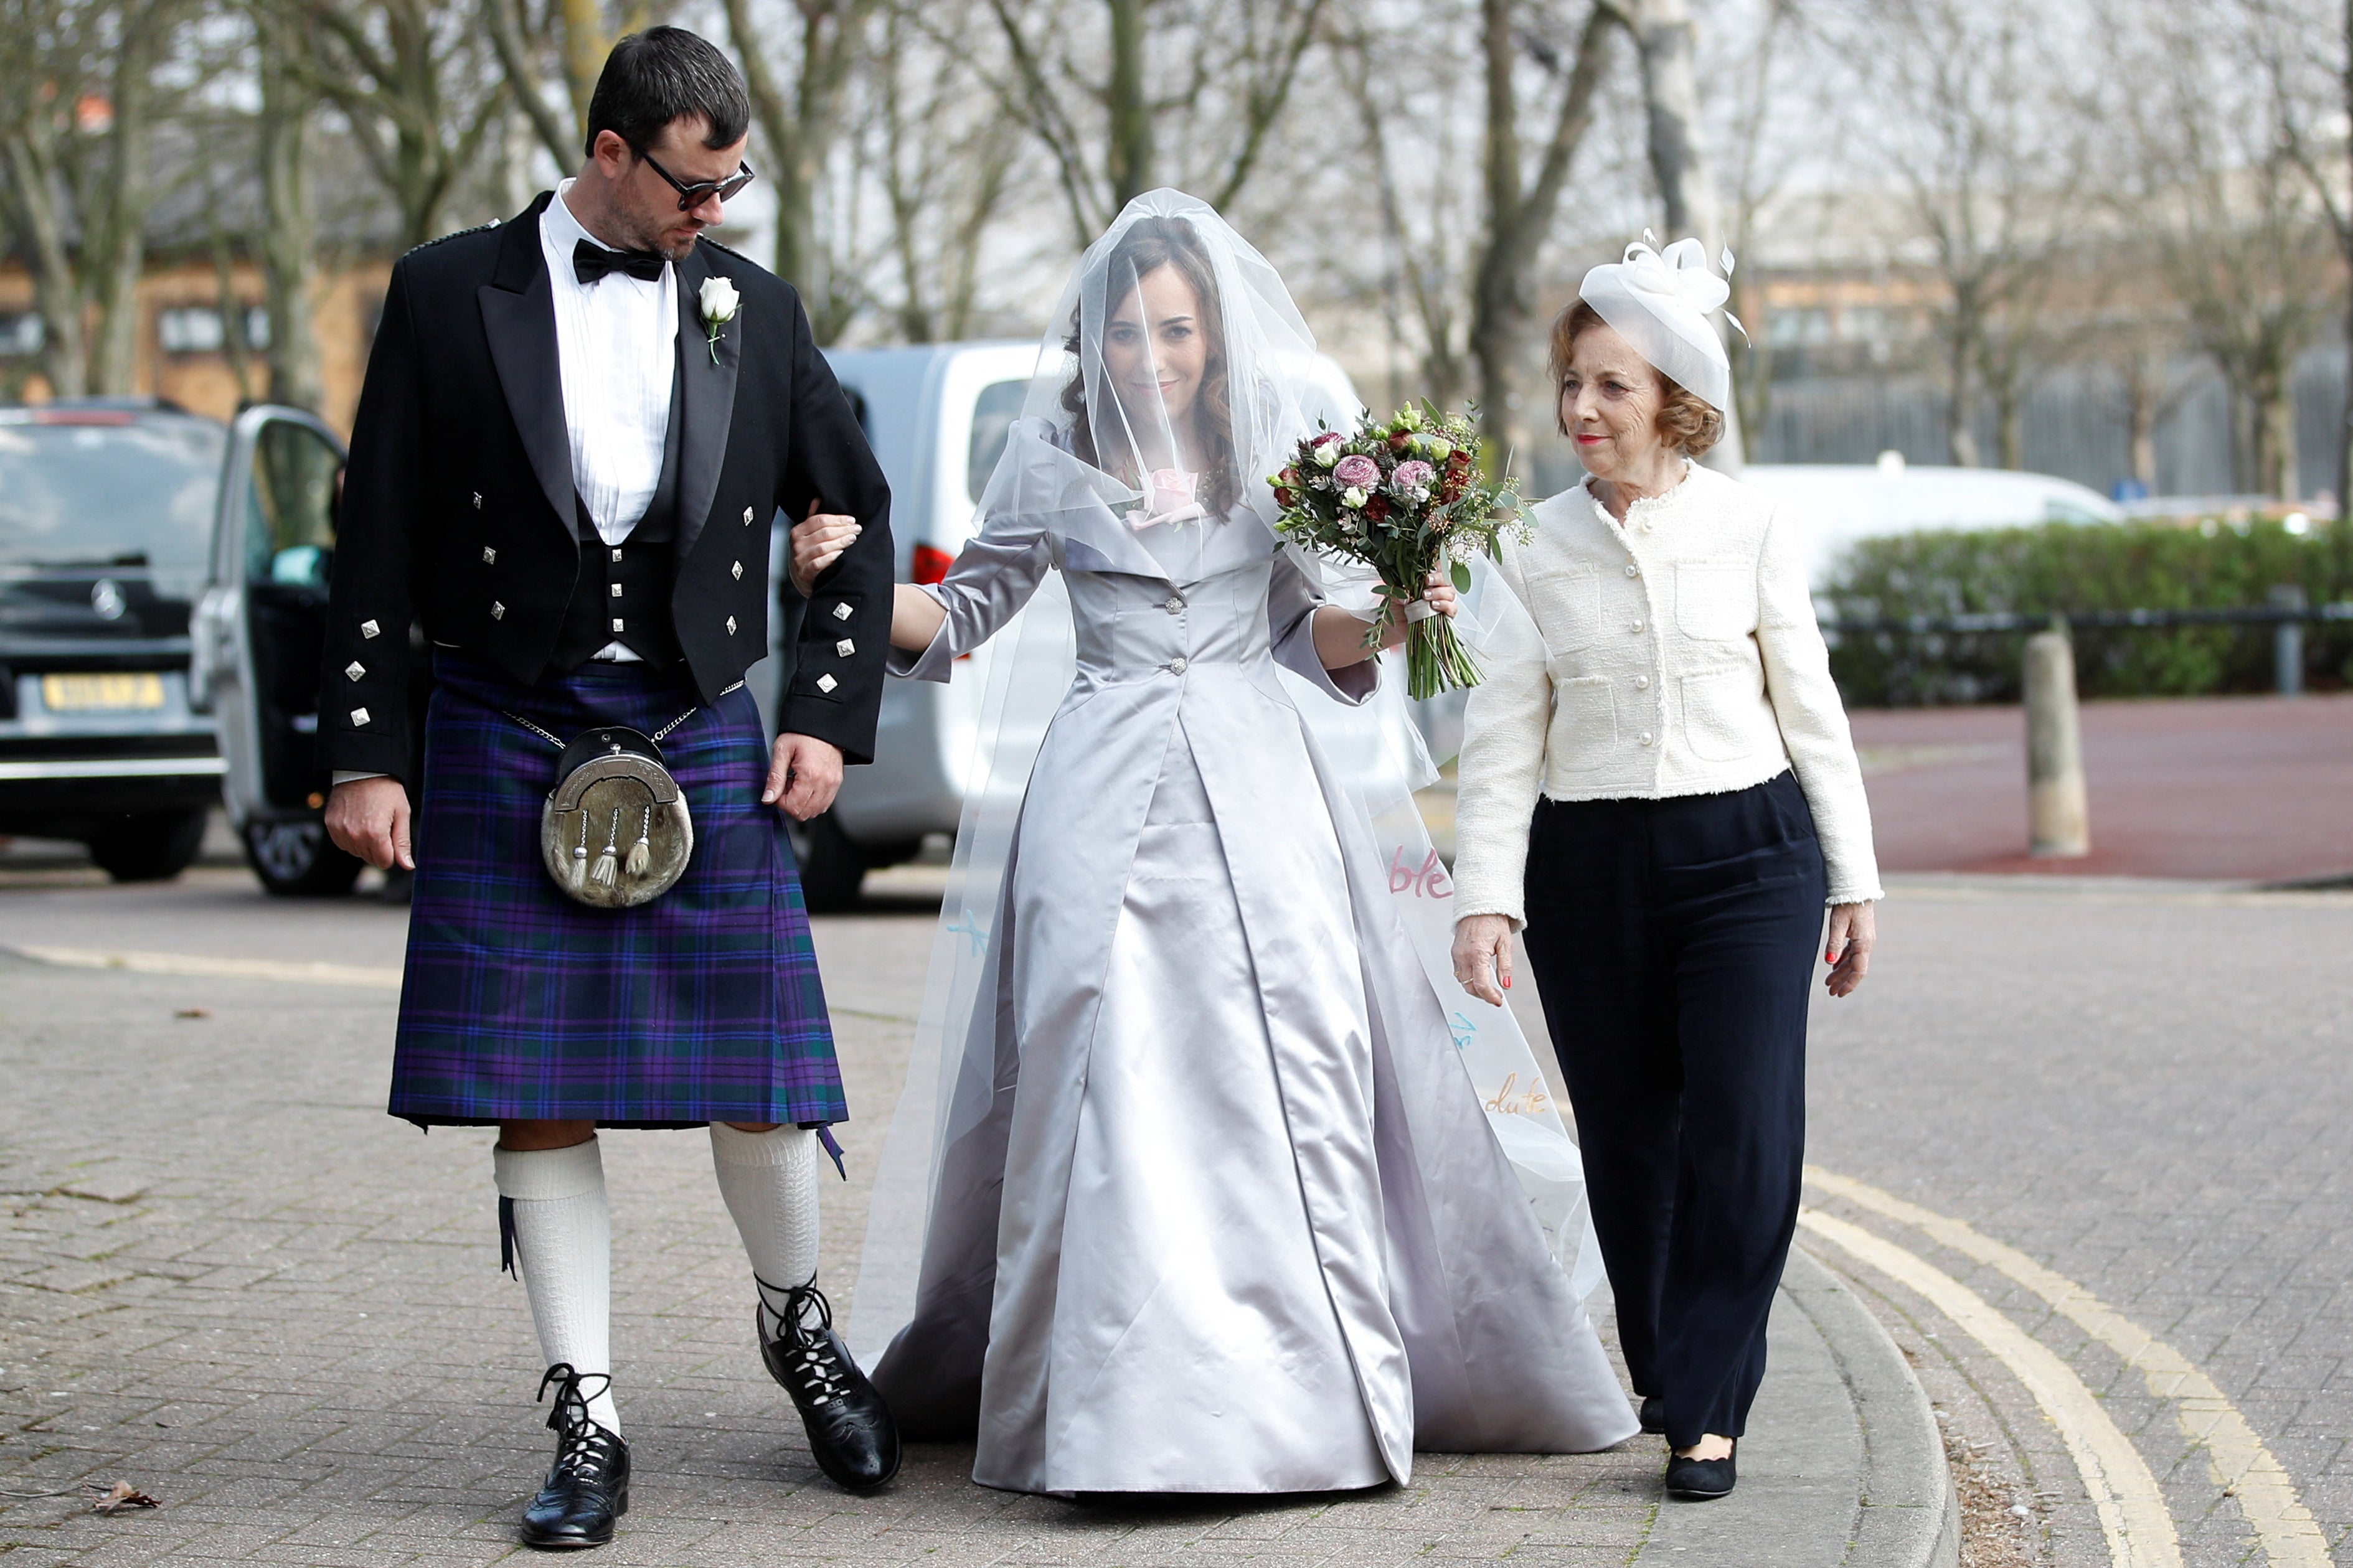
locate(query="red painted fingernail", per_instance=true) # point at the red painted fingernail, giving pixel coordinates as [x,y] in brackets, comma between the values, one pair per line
[1507,982]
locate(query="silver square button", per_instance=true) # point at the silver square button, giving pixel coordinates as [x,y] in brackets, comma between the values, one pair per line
[359,718]
[841,612]
[355,669]
[826,683]
[845,647]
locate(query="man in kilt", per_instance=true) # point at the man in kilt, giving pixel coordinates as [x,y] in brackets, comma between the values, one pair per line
[575,429]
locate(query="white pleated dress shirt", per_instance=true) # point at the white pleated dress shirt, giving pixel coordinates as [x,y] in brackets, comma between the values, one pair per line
[616,344]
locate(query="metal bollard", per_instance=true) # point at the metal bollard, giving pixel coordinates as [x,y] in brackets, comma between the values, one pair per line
[2058,819]
[2287,640]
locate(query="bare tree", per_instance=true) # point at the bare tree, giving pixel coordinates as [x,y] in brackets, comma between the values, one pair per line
[2236,228]
[1954,99]
[1523,200]
[1076,77]
[946,159]
[1666,43]
[287,243]
[82,85]
[2305,48]
[417,87]
[798,105]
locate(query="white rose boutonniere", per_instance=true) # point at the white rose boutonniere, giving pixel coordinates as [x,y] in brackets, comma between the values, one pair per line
[719,303]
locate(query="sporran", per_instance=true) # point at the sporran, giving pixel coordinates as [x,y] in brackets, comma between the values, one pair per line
[615,831]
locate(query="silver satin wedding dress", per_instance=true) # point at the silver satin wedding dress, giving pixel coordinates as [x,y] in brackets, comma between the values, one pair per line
[1214,1205]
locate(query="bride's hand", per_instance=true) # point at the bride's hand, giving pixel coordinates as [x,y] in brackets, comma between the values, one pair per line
[1436,592]
[818,540]
[1482,956]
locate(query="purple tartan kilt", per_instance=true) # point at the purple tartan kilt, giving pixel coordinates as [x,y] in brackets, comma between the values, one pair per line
[518,1004]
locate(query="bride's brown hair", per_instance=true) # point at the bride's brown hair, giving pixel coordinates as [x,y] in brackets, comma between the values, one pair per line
[1154,242]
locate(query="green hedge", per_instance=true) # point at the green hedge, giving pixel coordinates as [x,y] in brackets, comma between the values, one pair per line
[2059,568]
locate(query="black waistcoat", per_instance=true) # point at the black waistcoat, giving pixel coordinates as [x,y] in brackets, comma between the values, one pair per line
[624,590]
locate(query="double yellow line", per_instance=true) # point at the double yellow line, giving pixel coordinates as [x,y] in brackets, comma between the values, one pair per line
[2131,1507]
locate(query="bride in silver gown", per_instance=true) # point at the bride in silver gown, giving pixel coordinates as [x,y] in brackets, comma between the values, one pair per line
[1214,1202]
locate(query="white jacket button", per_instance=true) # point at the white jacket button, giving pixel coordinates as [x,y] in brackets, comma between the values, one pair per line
[1175,602]
[1642,683]
[1646,737]
[1635,627]
[1176,666]
[1633,570]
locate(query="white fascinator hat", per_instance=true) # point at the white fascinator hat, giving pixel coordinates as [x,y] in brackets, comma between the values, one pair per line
[1661,304]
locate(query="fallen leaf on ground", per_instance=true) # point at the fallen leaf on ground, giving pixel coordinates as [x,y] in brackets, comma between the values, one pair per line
[123,1496]
[192,1013]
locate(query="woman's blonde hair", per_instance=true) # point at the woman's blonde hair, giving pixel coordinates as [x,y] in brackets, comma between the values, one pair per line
[1688,422]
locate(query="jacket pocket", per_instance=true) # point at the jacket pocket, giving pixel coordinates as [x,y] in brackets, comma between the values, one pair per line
[1725,715]
[1584,724]
[1716,601]
[1566,604]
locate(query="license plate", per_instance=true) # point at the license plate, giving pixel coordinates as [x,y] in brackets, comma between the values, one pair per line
[101,693]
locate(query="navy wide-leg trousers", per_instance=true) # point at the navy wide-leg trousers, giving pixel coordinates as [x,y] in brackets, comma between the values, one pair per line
[1673,944]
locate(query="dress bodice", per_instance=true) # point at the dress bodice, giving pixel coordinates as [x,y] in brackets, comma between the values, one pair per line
[1133,628]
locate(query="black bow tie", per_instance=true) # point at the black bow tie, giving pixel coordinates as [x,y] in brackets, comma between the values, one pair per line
[590,262]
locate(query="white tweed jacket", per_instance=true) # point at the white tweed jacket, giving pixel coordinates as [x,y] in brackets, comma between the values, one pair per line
[1675,653]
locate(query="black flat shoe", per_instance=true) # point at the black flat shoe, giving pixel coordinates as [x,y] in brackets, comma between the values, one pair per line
[849,1428]
[1654,1414]
[588,1486]
[1699,1480]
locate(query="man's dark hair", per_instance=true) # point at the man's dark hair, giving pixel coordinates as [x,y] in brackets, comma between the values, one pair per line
[655,76]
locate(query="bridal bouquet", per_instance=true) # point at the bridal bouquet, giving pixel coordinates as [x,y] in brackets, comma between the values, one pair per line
[1400,496]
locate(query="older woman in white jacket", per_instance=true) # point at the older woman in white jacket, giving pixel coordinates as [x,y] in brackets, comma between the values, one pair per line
[1659,786]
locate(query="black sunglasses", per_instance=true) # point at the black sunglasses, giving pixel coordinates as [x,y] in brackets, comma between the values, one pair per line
[692,196]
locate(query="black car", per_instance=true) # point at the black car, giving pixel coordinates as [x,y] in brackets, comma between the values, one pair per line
[107,513]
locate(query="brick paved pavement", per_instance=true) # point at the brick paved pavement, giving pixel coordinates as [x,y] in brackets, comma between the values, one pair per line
[230,1279]
[2144,1088]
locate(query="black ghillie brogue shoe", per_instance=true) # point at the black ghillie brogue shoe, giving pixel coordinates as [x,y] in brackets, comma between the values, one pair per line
[588,1486]
[1654,1414]
[849,1428]
[1699,1480]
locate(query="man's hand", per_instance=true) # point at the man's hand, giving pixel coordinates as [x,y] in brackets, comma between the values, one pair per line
[818,540]
[369,818]
[804,775]
[1482,956]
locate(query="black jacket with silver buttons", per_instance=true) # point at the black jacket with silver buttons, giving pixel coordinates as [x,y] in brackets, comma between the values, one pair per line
[459,509]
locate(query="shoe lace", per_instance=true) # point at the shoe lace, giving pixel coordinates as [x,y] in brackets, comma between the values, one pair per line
[584,1450]
[803,1323]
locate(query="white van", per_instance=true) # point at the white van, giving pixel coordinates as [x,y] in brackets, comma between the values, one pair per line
[937,415]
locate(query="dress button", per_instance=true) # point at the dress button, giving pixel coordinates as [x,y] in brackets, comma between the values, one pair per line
[355,669]
[369,629]
[1177,667]
[1633,570]
[826,683]
[498,611]
[731,625]
[616,623]
[747,517]
[490,556]
[1646,737]
[845,647]
[736,571]
[478,501]
[616,552]
[1642,683]
[1175,602]
[1635,627]
[617,590]
[841,612]
[359,718]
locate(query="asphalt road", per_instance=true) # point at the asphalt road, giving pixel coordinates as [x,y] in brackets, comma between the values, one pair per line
[2140,1087]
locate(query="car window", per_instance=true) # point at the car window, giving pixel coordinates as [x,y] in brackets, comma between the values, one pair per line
[114,490]
[993,414]
[289,528]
